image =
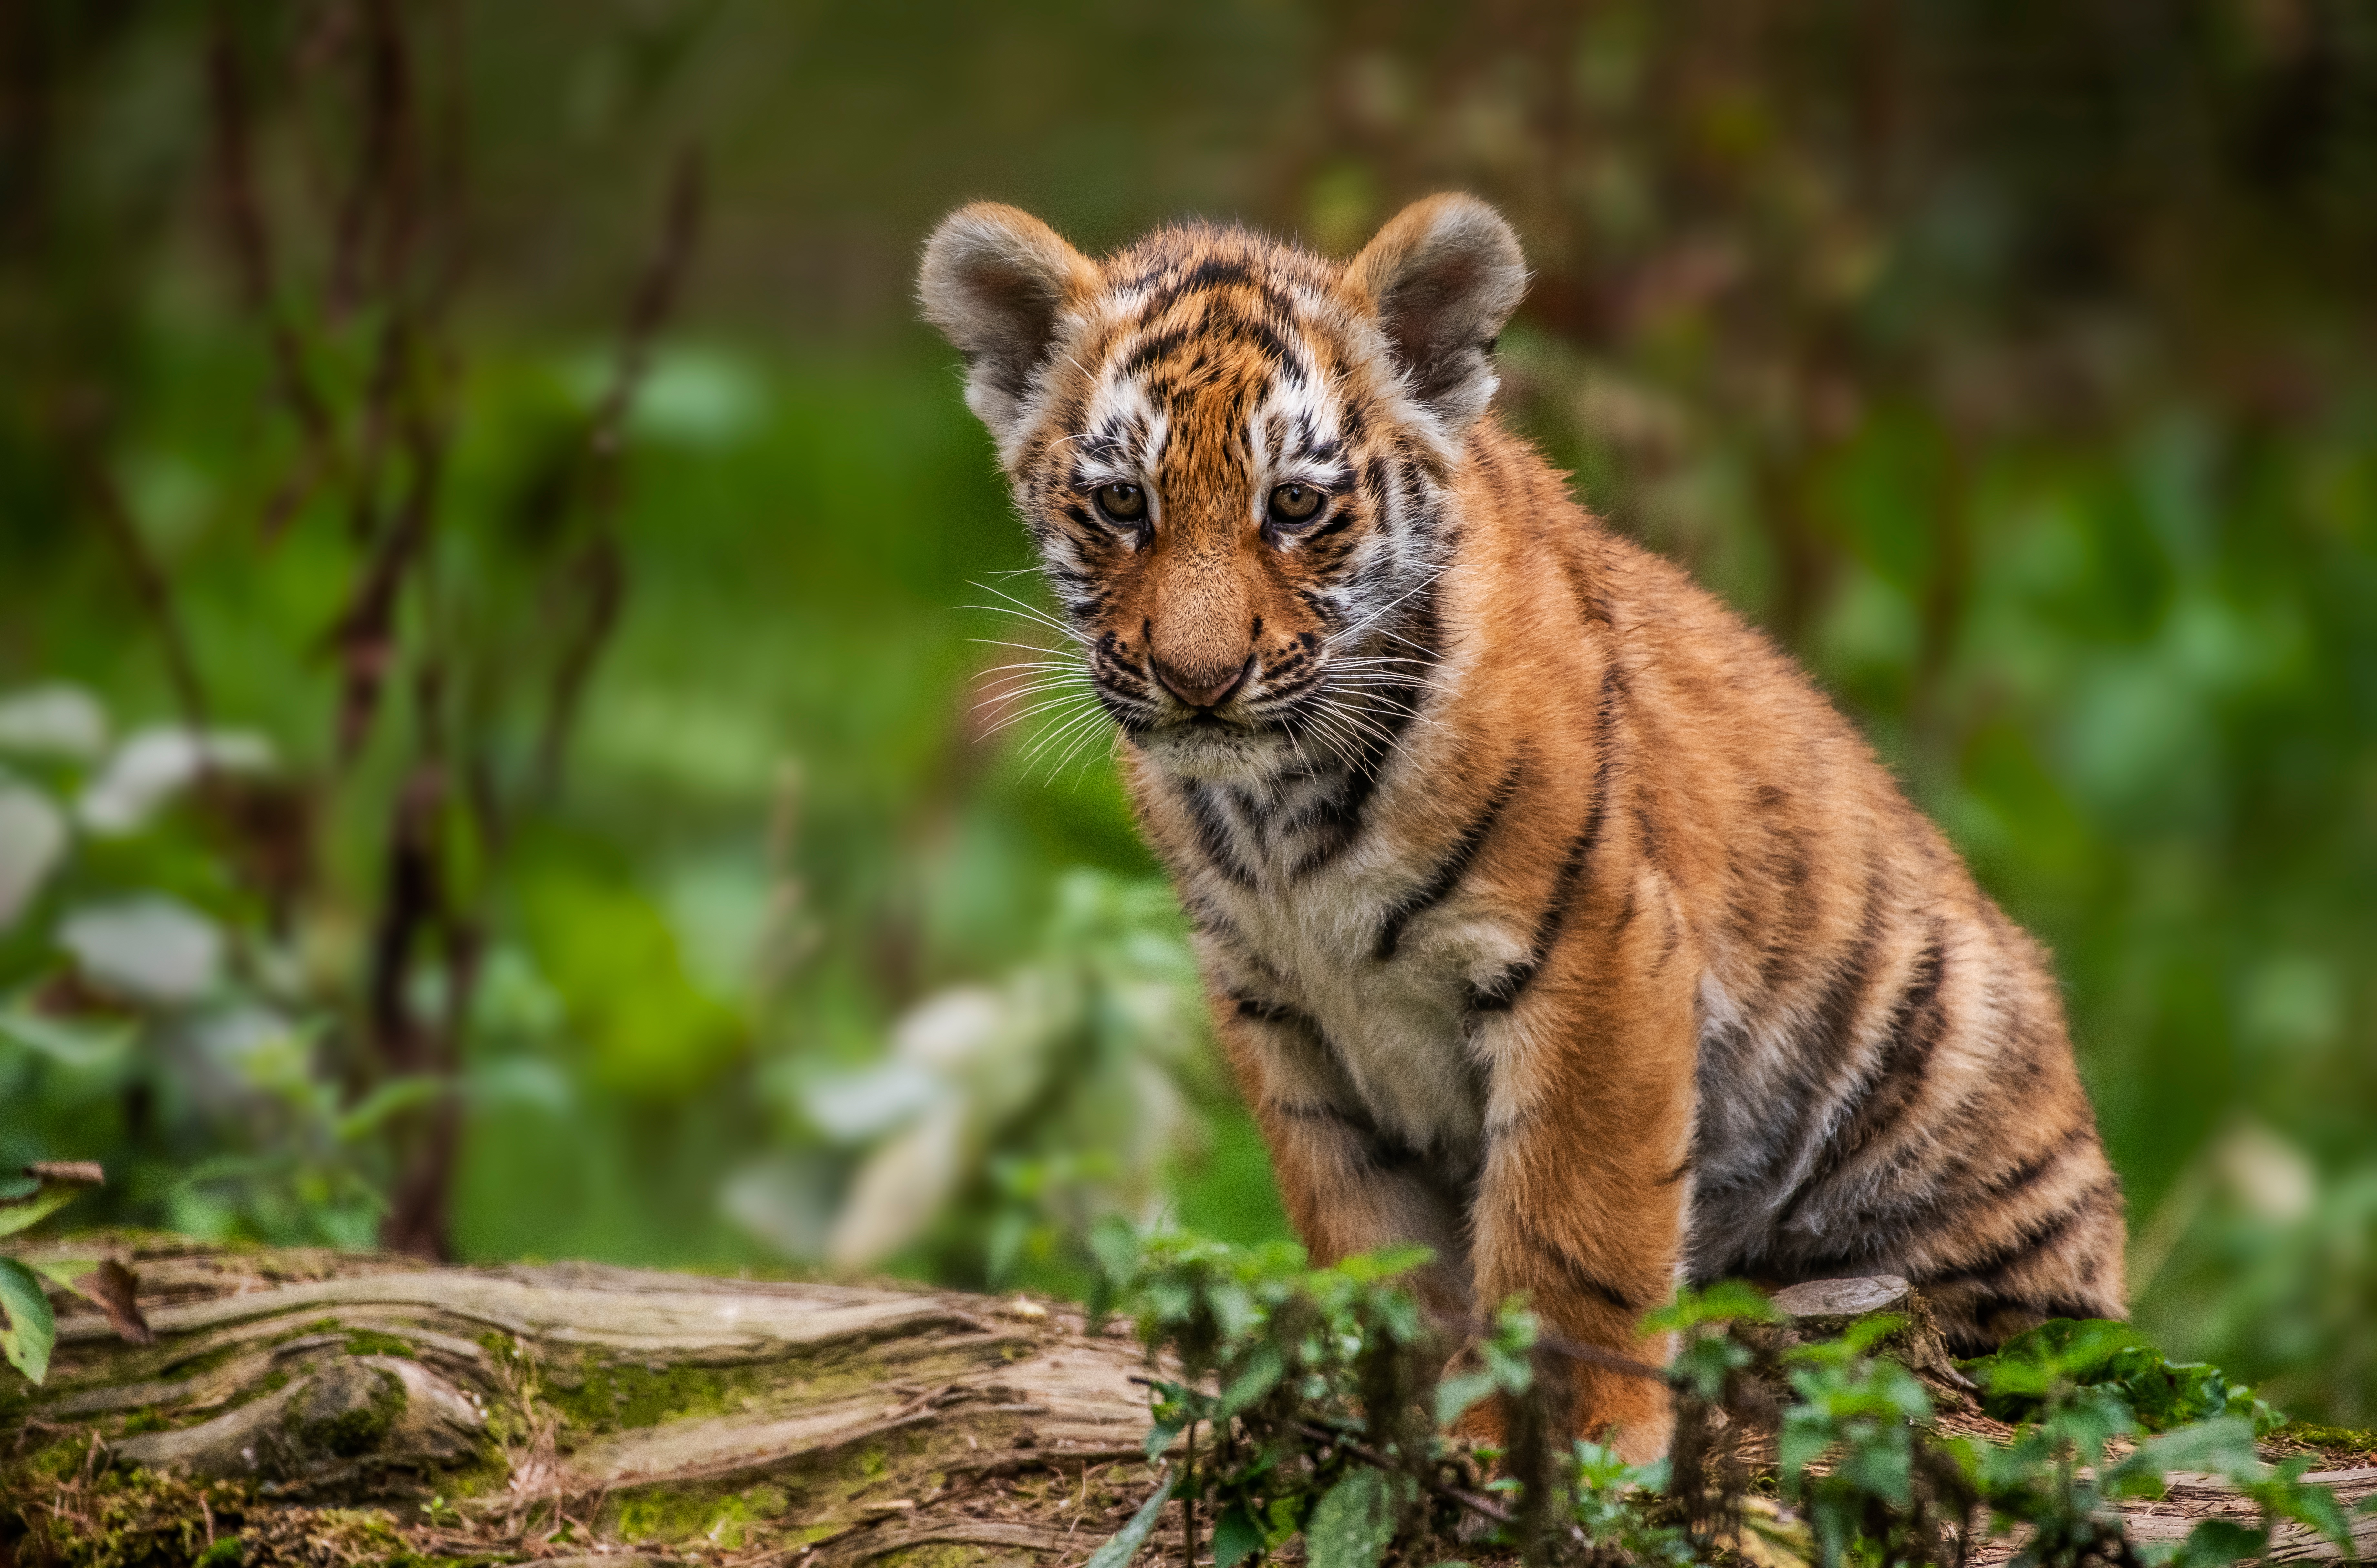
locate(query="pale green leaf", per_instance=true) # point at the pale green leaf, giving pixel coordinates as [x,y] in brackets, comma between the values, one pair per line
[26,1328]
[1454,1396]
[1124,1544]
[1354,1524]
[19,1213]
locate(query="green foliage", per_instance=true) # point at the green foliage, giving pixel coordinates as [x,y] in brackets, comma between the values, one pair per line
[1006,1123]
[2062,1353]
[1314,1401]
[1706,1357]
[1885,1486]
[27,1327]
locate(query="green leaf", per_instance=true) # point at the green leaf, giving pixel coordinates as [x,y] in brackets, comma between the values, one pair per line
[1722,1302]
[1124,1544]
[1116,1246]
[17,1214]
[1454,1396]
[2284,1496]
[390,1099]
[1387,1263]
[1163,1431]
[1354,1524]
[1236,1537]
[2224,1447]
[2216,1543]
[26,1328]
[1258,1377]
[63,1271]
[84,1045]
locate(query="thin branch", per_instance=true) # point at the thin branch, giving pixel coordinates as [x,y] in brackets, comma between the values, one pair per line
[156,593]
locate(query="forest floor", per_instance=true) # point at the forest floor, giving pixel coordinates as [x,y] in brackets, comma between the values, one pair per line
[335,1408]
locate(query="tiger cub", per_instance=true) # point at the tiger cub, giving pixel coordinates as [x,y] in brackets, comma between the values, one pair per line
[1550,916]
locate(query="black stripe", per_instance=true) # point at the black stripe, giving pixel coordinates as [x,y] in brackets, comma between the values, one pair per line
[1883,1232]
[1388,1154]
[2026,1244]
[1213,835]
[1339,820]
[1502,992]
[1819,1049]
[1884,1095]
[1449,871]
[1498,994]
[1979,1342]
[1150,350]
[1265,1011]
[1582,1278]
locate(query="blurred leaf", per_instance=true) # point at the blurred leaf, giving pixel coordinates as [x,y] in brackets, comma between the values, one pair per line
[87,1045]
[51,1188]
[53,720]
[153,765]
[1353,1523]
[389,1099]
[1118,1549]
[106,1284]
[26,1328]
[32,841]
[152,948]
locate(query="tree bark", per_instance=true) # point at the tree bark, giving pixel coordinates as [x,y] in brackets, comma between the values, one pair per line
[485,1410]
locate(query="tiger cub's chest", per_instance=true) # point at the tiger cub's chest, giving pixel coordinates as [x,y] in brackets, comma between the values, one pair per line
[1388,986]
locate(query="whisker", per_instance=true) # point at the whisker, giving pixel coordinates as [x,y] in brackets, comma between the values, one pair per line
[1049,738]
[1037,699]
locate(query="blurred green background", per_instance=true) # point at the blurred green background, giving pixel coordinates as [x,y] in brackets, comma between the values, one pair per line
[494,756]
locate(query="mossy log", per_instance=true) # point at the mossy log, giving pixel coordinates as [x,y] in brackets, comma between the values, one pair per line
[321,1407]
[479,1412]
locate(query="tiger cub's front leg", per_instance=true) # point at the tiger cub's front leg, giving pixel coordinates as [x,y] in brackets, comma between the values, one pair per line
[1584,1194]
[1347,1186]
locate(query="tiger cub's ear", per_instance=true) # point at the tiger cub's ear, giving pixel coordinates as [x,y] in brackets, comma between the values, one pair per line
[1441,278]
[995,281]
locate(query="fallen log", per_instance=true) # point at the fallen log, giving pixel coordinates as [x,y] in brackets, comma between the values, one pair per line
[488,1409]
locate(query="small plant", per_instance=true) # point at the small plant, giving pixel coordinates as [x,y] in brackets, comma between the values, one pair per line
[1314,1397]
[1319,1402]
[2161,1394]
[27,1328]
[1889,1487]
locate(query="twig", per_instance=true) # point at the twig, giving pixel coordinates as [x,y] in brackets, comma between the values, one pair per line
[1371,1457]
[156,594]
[1559,1344]
[1042,1458]
[1189,1500]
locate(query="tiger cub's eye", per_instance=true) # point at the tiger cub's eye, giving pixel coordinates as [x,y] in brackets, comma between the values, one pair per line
[1295,503]
[1122,503]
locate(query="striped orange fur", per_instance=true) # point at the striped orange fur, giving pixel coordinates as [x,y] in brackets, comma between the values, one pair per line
[1550,915]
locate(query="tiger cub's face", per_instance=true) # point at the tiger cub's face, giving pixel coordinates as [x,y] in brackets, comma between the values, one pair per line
[1232,454]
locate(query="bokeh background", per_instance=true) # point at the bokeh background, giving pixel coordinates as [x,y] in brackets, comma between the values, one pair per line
[497,755]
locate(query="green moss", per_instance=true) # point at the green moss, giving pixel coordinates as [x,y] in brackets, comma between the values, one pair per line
[727,1519]
[2310,1435]
[951,1554]
[366,1342]
[121,1518]
[345,1410]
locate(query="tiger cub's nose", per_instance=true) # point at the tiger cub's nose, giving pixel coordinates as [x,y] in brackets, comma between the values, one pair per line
[1196,689]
